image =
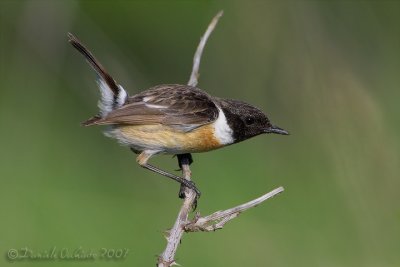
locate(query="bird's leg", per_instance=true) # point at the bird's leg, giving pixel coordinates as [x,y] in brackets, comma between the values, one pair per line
[188,156]
[142,161]
[190,159]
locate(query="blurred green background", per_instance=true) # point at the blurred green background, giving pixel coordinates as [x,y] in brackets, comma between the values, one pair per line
[327,71]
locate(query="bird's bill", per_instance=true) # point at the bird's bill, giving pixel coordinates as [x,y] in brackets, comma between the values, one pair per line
[276,130]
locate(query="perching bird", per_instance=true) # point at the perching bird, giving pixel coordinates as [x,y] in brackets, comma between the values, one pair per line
[172,118]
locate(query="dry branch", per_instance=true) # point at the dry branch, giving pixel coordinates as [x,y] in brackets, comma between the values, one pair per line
[175,234]
[194,76]
[218,219]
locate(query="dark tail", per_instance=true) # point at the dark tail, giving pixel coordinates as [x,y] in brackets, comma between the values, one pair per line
[113,95]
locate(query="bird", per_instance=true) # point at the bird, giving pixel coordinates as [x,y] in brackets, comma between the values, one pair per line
[171,118]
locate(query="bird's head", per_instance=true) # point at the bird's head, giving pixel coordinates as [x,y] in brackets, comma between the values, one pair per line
[247,121]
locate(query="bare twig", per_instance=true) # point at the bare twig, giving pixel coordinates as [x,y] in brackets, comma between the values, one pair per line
[216,220]
[199,51]
[175,234]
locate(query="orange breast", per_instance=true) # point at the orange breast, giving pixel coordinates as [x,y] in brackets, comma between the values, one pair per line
[202,139]
[170,140]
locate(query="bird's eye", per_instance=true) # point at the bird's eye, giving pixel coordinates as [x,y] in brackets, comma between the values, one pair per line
[249,120]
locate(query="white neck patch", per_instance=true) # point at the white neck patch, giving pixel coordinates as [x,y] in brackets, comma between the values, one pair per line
[222,131]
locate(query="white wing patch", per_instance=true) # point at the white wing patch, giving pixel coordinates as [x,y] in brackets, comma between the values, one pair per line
[154,106]
[147,98]
[222,131]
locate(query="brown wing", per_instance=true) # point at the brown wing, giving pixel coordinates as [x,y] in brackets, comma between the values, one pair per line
[180,106]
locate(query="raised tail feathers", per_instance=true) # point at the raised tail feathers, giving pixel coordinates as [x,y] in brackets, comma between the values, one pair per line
[112,94]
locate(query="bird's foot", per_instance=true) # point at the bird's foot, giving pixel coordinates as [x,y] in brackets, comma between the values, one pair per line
[192,186]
